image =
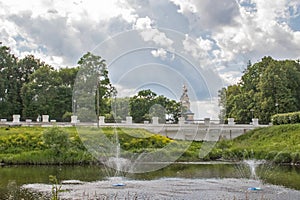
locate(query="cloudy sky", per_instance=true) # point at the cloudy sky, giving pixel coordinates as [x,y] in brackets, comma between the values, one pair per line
[157,44]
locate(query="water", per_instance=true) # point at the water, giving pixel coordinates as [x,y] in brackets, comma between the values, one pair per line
[12,177]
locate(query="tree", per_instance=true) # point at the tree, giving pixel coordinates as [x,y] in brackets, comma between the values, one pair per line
[40,94]
[146,104]
[65,91]
[48,90]
[26,67]
[140,105]
[266,87]
[30,87]
[92,88]
[120,109]
[9,104]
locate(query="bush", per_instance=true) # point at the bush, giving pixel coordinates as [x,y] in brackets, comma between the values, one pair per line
[67,116]
[295,157]
[286,118]
[271,155]
[283,157]
[56,140]
[215,154]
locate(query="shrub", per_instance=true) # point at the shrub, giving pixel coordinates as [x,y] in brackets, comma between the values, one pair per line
[283,157]
[286,118]
[56,140]
[215,154]
[295,157]
[67,116]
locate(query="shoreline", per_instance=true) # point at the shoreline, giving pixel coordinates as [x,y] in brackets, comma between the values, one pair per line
[211,162]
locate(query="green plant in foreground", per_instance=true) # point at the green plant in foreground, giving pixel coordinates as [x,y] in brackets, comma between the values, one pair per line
[56,188]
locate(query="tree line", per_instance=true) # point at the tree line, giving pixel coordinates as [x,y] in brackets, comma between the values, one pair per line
[266,88]
[30,87]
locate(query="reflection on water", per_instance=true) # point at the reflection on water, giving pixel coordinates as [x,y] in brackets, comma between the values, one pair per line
[11,177]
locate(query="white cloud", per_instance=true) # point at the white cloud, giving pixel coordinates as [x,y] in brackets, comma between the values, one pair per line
[162,53]
[150,34]
[207,14]
[74,9]
[221,35]
[143,23]
[185,6]
[258,32]
[60,29]
[198,49]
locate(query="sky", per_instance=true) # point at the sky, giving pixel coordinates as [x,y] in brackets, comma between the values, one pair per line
[157,44]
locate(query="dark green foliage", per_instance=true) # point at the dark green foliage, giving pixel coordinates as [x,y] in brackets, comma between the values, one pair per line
[30,87]
[93,90]
[266,88]
[48,90]
[146,104]
[283,157]
[67,116]
[286,118]
[56,139]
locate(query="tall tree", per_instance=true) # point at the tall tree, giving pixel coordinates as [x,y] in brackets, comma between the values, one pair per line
[40,94]
[25,68]
[93,88]
[48,90]
[266,88]
[9,104]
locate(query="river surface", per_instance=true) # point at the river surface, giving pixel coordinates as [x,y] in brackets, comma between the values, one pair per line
[13,177]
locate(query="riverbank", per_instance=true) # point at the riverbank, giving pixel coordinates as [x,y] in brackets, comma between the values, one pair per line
[41,145]
[279,144]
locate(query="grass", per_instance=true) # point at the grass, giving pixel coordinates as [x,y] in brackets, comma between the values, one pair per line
[280,144]
[29,145]
[39,145]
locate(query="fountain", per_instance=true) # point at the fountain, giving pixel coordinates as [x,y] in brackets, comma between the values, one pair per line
[253,164]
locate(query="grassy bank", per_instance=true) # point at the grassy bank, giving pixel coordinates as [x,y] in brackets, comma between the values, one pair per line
[279,144]
[37,145]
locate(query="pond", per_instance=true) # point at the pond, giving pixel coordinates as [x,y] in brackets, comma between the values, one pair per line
[12,177]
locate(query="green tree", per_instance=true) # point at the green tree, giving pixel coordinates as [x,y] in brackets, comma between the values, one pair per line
[67,77]
[120,108]
[140,105]
[48,90]
[9,104]
[93,88]
[146,104]
[173,110]
[267,87]
[14,74]
[40,95]
[26,67]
